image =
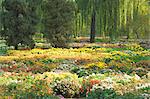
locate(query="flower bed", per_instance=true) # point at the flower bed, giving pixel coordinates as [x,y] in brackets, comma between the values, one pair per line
[70,85]
[90,73]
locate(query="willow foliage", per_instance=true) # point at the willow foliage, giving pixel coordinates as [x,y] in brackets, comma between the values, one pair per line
[114,18]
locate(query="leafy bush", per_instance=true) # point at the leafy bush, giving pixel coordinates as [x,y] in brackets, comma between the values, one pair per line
[3,52]
[67,88]
[87,86]
[130,96]
[80,71]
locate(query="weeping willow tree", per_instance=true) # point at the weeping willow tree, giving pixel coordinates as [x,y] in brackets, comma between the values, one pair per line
[112,18]
[140,22]
[87,7]
[103,16]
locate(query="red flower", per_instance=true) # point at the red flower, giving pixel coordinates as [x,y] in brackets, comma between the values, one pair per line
[81,90]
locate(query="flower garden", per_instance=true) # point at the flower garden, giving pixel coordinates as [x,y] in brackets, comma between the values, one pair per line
[108,71]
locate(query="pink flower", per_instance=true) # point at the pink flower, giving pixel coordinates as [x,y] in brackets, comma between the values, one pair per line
[61,97]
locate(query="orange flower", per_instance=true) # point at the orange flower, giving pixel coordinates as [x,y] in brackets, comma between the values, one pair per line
[49,91]
[84,81]
[93,82]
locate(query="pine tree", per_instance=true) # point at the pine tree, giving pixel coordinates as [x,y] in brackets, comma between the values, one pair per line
[18,23]
[57,21]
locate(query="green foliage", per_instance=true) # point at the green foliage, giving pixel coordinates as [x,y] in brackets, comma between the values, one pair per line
[114,18]
[101,94]
[57,21]
[129,96]
[18,20]
[3,52]
[102,40]
[146,90]
[34,96]
[140,58]
[80,71]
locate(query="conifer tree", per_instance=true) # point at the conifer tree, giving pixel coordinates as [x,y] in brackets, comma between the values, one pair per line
[18,22]
[57,20]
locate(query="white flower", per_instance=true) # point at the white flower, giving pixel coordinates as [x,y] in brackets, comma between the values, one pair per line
[137,77]
[108,79]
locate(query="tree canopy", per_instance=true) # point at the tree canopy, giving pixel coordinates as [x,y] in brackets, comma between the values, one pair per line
[114,18]
[19,20]
[60,19]
[57,21]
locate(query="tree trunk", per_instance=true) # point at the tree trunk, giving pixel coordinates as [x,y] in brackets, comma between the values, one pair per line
[92,35]
[16,47]
[137,35]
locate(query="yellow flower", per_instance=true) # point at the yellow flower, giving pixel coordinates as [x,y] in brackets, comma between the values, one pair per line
[98,64]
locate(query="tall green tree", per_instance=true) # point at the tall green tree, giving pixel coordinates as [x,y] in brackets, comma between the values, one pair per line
[89,7]
[18,19]
[0,15]
[57,20]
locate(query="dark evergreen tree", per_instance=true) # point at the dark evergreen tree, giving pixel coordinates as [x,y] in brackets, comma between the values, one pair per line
[57,20]
[0,14]
[18,19]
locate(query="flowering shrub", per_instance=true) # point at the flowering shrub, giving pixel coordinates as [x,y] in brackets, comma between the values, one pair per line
[67,88]
[39,84]
[69,85]
[87,86]
[121,83]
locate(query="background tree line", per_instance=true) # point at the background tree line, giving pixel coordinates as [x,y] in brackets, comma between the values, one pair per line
[59,20]
[113,18]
